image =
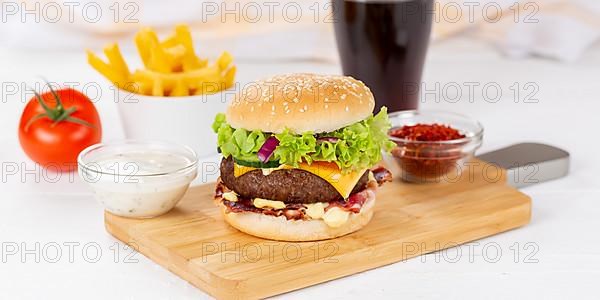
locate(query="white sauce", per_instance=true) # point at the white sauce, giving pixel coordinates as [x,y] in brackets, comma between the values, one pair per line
[127,184]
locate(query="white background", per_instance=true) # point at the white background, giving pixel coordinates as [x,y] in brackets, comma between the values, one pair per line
[563,227]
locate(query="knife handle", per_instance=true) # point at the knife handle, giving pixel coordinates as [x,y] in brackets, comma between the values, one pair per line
[529,163]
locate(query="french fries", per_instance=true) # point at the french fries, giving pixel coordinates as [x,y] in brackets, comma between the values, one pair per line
[171,66]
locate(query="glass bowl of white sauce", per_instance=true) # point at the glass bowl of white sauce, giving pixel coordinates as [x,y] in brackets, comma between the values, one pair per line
[138,179]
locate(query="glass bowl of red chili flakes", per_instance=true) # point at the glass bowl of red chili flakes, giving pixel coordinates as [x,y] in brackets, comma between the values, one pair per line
[432,146]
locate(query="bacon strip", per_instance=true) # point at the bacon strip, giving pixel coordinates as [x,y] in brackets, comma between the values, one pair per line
[291,211]
[353,204]
[382,175]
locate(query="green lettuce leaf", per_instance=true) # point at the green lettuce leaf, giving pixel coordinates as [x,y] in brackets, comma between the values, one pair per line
[359,145]
[293,148]
[239,143]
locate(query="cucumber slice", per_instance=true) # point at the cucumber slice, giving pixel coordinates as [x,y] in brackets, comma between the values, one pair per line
[257,164]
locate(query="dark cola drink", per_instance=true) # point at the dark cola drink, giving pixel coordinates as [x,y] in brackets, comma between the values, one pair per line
[384,44]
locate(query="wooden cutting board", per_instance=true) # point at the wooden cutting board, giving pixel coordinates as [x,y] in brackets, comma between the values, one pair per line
[193,242]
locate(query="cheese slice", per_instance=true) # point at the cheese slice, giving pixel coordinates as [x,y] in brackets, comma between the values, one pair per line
[343,183]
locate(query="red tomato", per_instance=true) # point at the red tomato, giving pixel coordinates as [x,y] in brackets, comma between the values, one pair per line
[56,126]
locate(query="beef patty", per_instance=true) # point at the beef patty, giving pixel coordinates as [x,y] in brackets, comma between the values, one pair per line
[287,185]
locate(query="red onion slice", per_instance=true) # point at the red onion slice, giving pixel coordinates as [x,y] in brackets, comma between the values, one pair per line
[266,150]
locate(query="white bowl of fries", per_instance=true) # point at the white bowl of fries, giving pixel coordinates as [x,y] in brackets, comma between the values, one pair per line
[176,94]
[182,120]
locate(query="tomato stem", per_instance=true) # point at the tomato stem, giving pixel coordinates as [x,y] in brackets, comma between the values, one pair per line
[57,114]
[35,118]
[64,115]
[42,103]
[79,121]
[56,97]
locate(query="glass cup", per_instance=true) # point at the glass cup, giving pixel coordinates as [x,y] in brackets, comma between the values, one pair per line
[384,43]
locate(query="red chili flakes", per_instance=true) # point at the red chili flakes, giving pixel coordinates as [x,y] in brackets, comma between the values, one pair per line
[427,133]
[422,161]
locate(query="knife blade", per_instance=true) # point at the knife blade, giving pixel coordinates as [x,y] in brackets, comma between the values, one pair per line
[529,163]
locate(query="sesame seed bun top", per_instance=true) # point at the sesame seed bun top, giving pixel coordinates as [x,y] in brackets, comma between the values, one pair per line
[301,103]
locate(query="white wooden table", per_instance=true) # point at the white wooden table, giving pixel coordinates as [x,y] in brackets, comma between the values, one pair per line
[556,256]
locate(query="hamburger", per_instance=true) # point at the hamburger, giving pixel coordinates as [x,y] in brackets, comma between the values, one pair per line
[299,152]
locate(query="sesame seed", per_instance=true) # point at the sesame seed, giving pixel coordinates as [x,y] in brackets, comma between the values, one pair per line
[347,108]
[251,108]
[301,110]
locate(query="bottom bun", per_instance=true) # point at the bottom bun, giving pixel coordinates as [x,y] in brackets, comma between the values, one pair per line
[282,229]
